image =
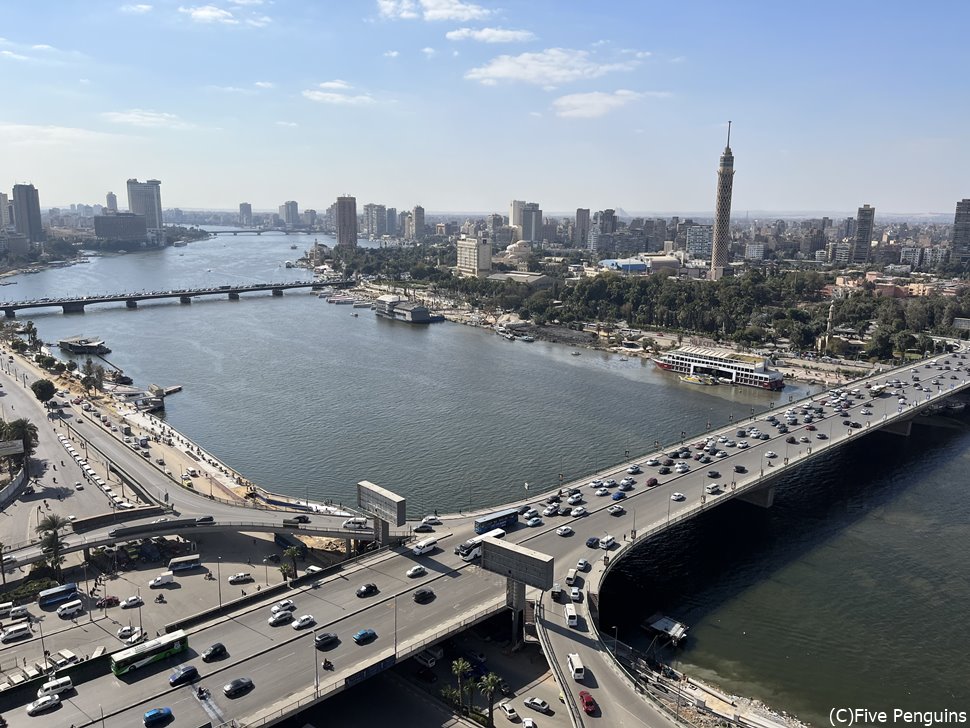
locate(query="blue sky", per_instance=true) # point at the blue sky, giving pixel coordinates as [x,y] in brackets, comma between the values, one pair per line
[458,105]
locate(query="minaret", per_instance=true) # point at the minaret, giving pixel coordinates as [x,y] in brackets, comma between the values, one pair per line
[722,212]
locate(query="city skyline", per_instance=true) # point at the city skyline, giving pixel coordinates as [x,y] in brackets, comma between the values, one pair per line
[251,100]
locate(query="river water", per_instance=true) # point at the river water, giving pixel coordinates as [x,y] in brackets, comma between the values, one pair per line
[848,592]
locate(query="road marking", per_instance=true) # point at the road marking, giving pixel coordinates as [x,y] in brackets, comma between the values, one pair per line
[286,657]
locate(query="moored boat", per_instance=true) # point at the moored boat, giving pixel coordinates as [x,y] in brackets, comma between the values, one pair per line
[704,379]
[720,364]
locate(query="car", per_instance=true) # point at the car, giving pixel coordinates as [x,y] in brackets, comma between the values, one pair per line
[183,674]
[574,499]
[205,519]
[125,632]
[575,594]
[325,639]
[524,509]
[713,474]
[135,601]
[137,635]
[603,491]
[664,470]
[582,565]
[423,528]
[586,700]
[678,497]
[627,482]
[303,621]
[564,531]
[364,636]
[653,462]
[509,711]
[278,618]
[865,412]
[634,469]
[365,590]
[47,702]
[531,513]
[423,595]
[550,510]
[565,510]
[771,454]
[619,495]
[596,483]
[286,605]
[740,469]
[241,578]
[811,428]
[616,510]
[78,485]
[215,651]
[668,461]
[416,571]
[537,704]
[847,422]
[236,687]
[855,425]
[157,716]
[609,483]
[577,512]
[803,438]
[593,542]
[553,499]
[528,723]
[821,436]
[107,601]
[534,521]
[791,440]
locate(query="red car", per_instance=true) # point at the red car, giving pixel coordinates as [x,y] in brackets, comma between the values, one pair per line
[108,602]
[589,705]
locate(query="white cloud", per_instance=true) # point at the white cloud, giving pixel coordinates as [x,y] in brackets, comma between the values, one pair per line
[264,84]
[597,103]
[49,135]
[535,113]
[548,68]
[326,97]
[677,59]
[336,84]
[289,124]
[259,21]
[84,81]
[491,35]
[391,54]
[230,90]
[43,47]
[146,118]
[428,52]
[209,14]
[139,9]
[431,10]
[13,56]
[246,2]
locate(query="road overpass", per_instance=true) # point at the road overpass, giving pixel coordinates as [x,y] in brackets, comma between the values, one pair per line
[465,592]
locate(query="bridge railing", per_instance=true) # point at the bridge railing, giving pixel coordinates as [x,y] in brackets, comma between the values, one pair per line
[575,714]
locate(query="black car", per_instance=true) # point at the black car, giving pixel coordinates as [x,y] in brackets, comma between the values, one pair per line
[846,422]
[552,499]
[183,674]
[667,462]
[593,542]
[565,510]
[713,474]
[791,440]
[505,689]
[215,652]
[301,518]
[423,595]
[423,528]
[821,436]
[664,470]
[325,639]
[523,509]
[366,590]
[204,519]
[238,686]
[855,425]
[740,469]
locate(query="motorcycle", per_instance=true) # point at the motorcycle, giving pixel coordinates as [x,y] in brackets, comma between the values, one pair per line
[160,599]
[201,693]
[327,665]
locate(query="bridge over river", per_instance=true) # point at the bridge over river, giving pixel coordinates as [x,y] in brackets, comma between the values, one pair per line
[185,296]
[465,593]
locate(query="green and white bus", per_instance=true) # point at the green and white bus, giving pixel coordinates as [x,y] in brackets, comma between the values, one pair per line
[125,661]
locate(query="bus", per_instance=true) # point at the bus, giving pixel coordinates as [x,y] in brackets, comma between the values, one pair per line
[57,594]
[500,519]
[472,548]
[192,561]
[125,661]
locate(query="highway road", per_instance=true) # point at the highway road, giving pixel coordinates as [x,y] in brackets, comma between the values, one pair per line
[277,657]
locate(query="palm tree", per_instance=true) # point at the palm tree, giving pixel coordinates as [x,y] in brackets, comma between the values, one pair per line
[460,668]
[51,524]
[50,541]
[488,685]
[291,553]
[285,570]
[25,431]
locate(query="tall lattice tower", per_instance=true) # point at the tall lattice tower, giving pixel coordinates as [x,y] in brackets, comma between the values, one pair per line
[722,211]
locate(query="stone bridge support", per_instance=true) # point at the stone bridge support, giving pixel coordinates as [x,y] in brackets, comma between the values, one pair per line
[234,296]
[277,291]
[762,497]
[131,303]
[899,427]
[73,307]
[9,313]
[185,299]
[515,600]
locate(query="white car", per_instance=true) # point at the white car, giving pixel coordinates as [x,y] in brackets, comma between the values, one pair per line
[551,510]
[742,444]
[603,491]
[509,711]
[722,453]
[678,497]
[771,454]
[628,481]
[287,605]
[582,565]
[279,618]
[136,636]
[303,621]
[78,485]
[431,520]
[577,512]
[240,578]
[126,632]
[575,594]
[415,571]
[528,723]
[537,704]
[564,530]
[616,510]
[596,483]
[41,704]
[633,469]
[574,499]
[534,521]
[609,483]
[653,462]
[135,601]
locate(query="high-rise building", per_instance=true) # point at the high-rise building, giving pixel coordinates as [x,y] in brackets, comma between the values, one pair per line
[245,214]
[121,227]
[607,221]
[515,213]
[494,223]
[26,213]
[531,222]
[699,241]
[112,199]
[417,221]
[347,222]
[290,213]
[4,212]
[581,229]
[960,249]
[391,226]
[722,212]
[375,220]
[474,255]
[863,234]
[145,198]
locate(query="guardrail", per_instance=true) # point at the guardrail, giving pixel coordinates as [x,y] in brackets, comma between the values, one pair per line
[575,715]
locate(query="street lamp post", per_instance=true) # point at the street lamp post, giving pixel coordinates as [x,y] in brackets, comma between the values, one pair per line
[316,667]
[139,609]
[616,638]
[219,578]
[43,647]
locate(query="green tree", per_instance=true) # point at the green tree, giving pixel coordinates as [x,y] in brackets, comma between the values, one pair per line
[43,389]
[460,668]
[49,528]
[26,432]
[286,570]
[489,685]
[291,553]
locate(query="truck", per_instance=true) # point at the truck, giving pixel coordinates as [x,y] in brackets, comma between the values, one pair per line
[166,577]
[126,430]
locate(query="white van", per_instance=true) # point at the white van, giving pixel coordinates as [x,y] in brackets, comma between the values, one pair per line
[570,577]
[55,687]
[15,632]
[426,659]
[70,609]
[166,577]
[357,522]
[556,592]
[575,665]
[5,609]
[424,546]
[607,542]
[569,612]
[712,489]
[19,612]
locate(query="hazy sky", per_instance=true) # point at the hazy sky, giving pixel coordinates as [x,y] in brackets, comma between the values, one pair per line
[464,106]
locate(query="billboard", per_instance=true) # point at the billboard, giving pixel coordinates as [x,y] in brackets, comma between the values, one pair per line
[11,447]
[532,568]
[381,503]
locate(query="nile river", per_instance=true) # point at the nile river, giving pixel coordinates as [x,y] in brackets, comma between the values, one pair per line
[851,591]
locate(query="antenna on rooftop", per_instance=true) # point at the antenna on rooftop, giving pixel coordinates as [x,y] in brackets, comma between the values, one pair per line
[729,135]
